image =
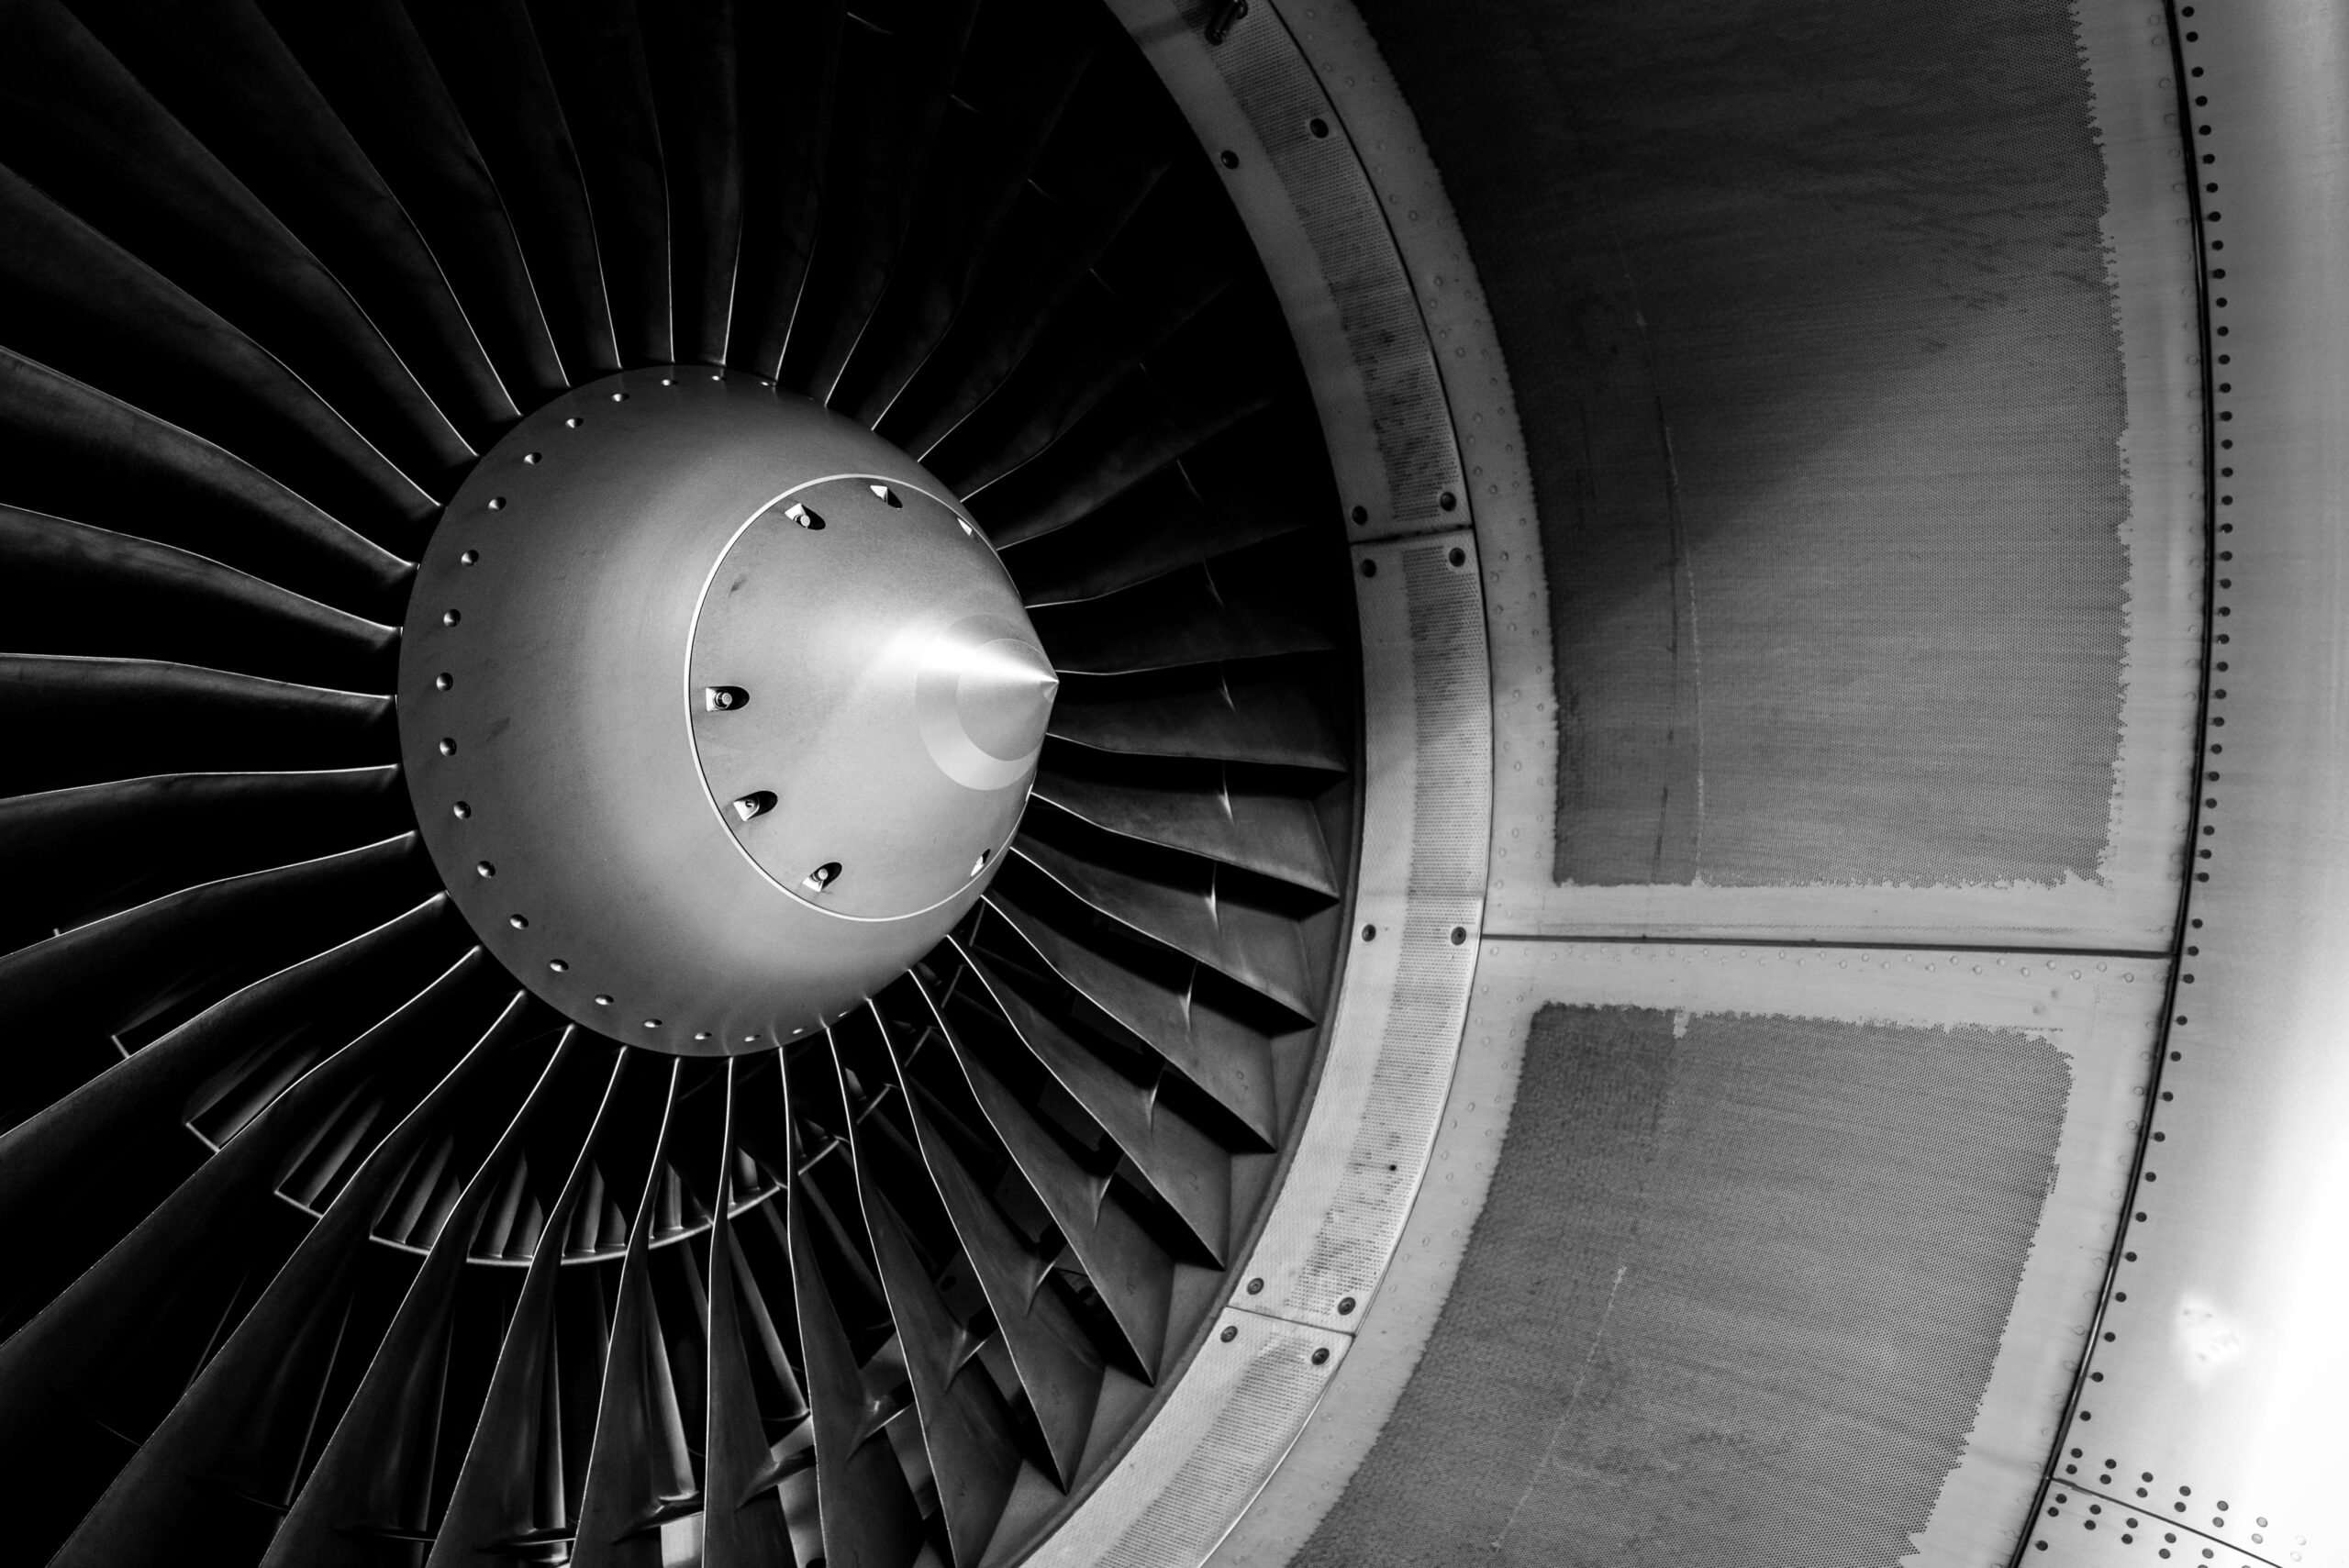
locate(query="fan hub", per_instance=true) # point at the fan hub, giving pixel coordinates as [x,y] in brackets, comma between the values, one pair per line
[716,709]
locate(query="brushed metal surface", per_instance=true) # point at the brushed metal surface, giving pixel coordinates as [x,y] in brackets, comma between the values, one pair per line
[2100,1017]
[2130,899]
[715,709]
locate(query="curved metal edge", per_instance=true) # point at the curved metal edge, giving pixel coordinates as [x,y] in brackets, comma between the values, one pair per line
[2218,1367]
[1984,1502]
[1311,154]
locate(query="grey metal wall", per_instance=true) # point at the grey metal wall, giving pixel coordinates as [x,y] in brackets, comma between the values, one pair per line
[1841,790]
[1736,1296]
[1821,377]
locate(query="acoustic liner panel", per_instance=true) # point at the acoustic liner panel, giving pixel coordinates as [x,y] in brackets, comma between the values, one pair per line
[1814,342]
[1733,1299]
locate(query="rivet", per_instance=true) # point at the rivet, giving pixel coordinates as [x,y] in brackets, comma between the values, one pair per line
[1321,1355]
[497,502]
[1369,933]
[1361,515]
[1457,556]
[486,869]
[1447,501]
[754,1040]
[1256,1286]
[703,1034]
[668,381]
[443,680]
[1345,1306]
[1229,1335]
[619,397]
[653,1023]
[519,922]
[448,746]
[468,558]
[559,965]
[1231,159]
[574,421]
[603,1001]
[461,810]
[532,457]
[1459,935]
[1318,125]
[451,618]
[1369,569]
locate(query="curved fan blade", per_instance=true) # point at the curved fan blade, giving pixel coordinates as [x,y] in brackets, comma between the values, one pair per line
[74,451]
[90,129]
[370,61]
[1255,817]
[596,55]
[71,856]
[224,72]
[242,1428]
[352,1496]
[72,299]
[81,720]
[76,589]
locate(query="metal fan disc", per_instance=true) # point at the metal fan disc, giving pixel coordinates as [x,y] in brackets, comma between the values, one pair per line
[716,710]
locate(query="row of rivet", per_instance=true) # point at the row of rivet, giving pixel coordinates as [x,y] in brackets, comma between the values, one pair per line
[445,680]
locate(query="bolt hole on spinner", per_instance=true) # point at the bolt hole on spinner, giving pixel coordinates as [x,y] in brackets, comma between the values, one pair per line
[742,710]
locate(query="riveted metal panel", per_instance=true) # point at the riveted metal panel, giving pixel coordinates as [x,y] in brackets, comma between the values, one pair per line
[2111,1527]
[1417,911]
[1363,1149]
[2220,1365]
[1923,1006]
[1301,189]
[1207,1452]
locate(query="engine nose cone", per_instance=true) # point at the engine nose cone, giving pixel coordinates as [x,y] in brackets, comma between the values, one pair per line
[855,621]
[983,696]
[1003,693]
[717,711]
